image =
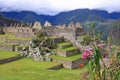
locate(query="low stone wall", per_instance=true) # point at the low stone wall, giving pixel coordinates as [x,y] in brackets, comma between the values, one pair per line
[7,47]
[56,67]
[65,63]
[17,42]
[71,64]
[71,52]
[58,40]
[18,48]
[2,61]
[24,35]
[76,63]
[66,53]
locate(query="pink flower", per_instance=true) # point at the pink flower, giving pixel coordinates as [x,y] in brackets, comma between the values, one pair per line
[100,46]
[87,53]
[91,49]
[84,55]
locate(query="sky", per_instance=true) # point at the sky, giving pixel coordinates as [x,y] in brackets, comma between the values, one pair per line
[52,7]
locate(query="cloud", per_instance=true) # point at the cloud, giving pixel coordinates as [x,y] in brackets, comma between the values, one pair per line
[55,6]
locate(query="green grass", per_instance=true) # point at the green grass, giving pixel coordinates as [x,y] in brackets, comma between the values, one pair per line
[11,36]
[7,44]
[14,38]
[1,41]
[7,35]
[7,54]
[70,58]
[64,43]
[70,48]
[28,69]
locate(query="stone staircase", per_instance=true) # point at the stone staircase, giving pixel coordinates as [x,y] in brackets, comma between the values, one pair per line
[68,55]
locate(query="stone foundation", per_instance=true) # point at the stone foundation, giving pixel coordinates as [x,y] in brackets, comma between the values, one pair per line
[56,67]
[66,53]
[17,42]
[71,64]
[2,61]
[7,47]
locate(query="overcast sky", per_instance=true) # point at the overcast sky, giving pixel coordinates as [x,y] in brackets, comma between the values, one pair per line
[52,7]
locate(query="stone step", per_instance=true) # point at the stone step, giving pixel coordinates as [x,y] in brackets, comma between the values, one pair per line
[70,58]
[70,62]
[66,51]
[58,40]
[64,45]
[57,67]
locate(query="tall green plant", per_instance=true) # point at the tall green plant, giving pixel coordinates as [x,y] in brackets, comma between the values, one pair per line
[94,65]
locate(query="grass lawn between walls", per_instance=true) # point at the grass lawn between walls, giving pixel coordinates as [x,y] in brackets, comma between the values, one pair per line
[70,58]
[7,54]
[28,69]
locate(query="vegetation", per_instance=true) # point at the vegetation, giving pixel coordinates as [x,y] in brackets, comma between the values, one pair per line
[95,57]
[114,33]
[64,43]
[7,54]
[11,36]
[70,58]
[41,40]
[28,69]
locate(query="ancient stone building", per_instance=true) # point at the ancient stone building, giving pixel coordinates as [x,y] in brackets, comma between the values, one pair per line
[69,32]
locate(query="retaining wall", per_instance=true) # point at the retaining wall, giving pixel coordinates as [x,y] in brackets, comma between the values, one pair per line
[56,67]
[71,64]
[7,47]
[66,53]
[17,42]
[2,61]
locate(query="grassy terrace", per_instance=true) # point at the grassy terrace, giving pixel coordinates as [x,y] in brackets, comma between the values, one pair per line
[20,38]
[64,43]
[70,58]
[28,69]
[7,54]
[7,35]
[7,44]
[70,48]
[11,36]
[1,41]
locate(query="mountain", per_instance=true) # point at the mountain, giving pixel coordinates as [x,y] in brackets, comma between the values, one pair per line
[102,19]
[78,15]
[7,21]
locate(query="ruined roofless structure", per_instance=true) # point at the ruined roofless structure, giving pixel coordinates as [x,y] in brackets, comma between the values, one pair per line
[61,30]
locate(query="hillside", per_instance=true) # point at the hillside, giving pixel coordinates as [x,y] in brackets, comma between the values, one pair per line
[102,19]
[10,21]
[78,15]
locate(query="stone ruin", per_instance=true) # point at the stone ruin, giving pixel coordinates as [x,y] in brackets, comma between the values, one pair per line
[69,32]
[58,30]
[38,54]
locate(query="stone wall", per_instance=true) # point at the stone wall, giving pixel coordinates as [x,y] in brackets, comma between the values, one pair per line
[58,40]
[7,47]
[56,67]
[71,64]
[17,42]
[24,35]
[76,63]
[21,32]
[66,63]
[2,61]
[66,53]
